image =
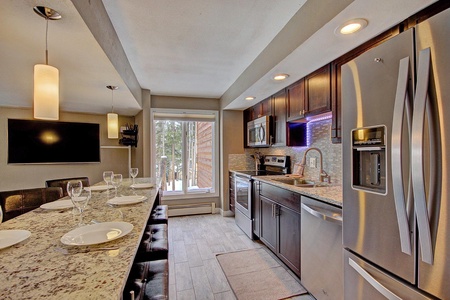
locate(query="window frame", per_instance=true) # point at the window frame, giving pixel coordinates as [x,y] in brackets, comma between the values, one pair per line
[188,115]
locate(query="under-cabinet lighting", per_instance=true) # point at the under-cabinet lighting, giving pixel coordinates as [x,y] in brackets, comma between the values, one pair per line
[249,98]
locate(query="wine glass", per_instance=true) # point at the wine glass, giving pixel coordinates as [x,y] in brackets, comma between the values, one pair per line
[74,188]
[107,175]
[116,181]
[81,202]
[133,173]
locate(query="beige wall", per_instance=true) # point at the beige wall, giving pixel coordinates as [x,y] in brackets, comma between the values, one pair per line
[32,176]
[232,142]
[185,103]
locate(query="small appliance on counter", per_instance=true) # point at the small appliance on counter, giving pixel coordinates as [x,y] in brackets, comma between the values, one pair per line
[273,165]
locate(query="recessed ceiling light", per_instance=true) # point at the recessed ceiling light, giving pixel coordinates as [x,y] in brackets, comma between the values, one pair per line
[351,26]
[281,76]
[249,98]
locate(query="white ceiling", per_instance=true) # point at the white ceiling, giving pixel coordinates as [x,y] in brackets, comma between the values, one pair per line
[201,48]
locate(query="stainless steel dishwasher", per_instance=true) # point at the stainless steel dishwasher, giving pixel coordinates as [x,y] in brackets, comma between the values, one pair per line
[321,249]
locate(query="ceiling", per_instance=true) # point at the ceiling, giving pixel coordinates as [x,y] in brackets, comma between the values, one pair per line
[203,49]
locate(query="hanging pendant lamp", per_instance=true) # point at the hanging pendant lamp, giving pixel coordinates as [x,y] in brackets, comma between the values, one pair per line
[112,117]
[46,77]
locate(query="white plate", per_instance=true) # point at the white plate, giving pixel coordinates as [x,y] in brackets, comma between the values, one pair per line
[12,237]
[142,185]
[96,188]
[56,205]
[126,200]
[96,233]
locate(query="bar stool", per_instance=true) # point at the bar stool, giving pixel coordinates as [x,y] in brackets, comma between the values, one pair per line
[160,215]
[154,244]
[148,280]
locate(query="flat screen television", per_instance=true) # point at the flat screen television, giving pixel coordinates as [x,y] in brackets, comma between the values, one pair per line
[47,142]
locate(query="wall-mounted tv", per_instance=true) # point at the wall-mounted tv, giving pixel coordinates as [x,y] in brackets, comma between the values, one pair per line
[47,142]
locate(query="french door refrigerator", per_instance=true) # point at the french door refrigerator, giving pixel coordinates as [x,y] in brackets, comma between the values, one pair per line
[396,164]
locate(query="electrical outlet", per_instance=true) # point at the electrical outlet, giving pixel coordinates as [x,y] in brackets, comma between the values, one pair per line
[312,162]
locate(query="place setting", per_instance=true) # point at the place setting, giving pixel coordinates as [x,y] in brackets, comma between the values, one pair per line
[11,237]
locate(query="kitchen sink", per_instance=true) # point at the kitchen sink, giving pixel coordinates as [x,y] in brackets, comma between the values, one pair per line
[300,182]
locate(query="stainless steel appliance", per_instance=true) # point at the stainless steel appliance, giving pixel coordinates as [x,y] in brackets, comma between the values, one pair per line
[321,249]
[259,132]
[396,164]
[273,165]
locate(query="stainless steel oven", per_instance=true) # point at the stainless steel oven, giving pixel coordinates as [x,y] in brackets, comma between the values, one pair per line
[243,198]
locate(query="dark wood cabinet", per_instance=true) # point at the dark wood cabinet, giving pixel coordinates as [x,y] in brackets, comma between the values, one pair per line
[265,107]
[279,118]
[318,91]
[268,223]
[231,191]
[296,101]
[280,223]
[289,237]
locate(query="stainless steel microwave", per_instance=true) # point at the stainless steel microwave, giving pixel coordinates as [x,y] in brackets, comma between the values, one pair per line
[259,132]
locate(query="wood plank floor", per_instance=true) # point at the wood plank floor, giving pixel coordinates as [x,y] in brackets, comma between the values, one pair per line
[194,272]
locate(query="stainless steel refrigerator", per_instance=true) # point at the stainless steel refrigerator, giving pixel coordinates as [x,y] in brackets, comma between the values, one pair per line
[396,164]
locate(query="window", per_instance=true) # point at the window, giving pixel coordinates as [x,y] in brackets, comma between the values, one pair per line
[186,152]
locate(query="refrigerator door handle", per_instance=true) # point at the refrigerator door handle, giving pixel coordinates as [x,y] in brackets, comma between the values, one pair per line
[417,160]
[401,103]
[372,281]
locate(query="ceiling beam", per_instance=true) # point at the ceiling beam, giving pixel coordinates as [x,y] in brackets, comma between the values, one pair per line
[96,18]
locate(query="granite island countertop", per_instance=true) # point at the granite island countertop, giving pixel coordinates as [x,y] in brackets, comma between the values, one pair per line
[38,267]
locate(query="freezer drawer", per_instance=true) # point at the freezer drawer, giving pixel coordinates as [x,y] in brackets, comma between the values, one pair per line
[363,280]
[321,249]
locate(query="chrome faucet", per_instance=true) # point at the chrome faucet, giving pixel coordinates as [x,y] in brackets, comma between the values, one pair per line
[323,176]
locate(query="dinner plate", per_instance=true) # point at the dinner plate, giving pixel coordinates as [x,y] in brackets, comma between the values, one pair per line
[126,200]
[56,205]
[142,185]
[96,233]
[12,237]
[96,188]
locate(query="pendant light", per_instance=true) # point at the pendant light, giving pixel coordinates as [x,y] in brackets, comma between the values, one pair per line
[46,77]
[112,117]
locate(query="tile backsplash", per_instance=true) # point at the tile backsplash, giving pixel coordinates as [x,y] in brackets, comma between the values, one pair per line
[318,136]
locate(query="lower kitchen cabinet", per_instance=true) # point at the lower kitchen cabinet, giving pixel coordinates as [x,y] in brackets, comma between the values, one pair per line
[231,191]
[268,223]
[280,224]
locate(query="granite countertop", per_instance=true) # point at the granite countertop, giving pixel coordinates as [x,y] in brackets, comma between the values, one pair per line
[329,193]
[37,267]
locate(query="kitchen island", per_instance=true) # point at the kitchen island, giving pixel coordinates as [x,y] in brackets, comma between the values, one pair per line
[43,267]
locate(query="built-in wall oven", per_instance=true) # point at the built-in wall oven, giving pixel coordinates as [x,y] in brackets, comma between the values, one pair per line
[243,189]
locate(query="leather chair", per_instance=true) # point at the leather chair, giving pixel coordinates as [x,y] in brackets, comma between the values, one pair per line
[148,280]
[62,183]
[159,215]
[15,203]
[154,244]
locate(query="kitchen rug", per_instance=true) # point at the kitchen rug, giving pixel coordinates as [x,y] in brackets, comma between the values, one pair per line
[255,274]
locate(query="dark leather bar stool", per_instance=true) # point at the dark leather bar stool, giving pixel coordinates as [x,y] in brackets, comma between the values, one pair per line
[17,202]
[160,215]
[154,244]
[62,183]
[148,280]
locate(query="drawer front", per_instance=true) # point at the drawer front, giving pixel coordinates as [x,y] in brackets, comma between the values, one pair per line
[281,196]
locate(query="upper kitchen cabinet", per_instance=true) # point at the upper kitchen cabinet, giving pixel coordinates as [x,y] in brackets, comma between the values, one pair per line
[318,91]
[296,101]
[279,118]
